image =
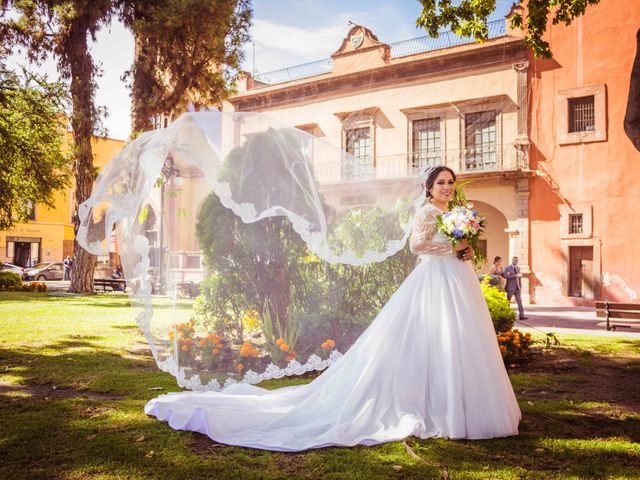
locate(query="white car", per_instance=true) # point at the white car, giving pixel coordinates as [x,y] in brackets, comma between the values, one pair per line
[10,267]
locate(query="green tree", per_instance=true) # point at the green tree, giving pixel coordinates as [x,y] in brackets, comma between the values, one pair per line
[187,52]
[253,262]
[469,18]
[32,160]
[62,28]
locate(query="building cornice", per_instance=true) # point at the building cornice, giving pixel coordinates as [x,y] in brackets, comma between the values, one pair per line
[458,61]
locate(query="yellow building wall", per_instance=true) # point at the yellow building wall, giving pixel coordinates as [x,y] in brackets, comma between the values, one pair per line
[52,227]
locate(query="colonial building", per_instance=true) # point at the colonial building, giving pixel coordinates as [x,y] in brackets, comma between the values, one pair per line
[582,204]
[541,140]
[405,105]
[48,235]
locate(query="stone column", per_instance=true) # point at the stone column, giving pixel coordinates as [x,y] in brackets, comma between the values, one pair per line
[523,102]
[521,242]
[518,232]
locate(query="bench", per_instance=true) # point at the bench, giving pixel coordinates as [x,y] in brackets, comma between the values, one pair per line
[629,312]
[114,284]
[187,289]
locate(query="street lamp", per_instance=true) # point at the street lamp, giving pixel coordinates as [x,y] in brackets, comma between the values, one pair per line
[169,172]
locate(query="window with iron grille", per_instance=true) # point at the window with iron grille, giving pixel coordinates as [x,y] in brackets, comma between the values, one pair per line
[192,261]
[480,140]
[306,142]
[582,114]
[358,144]
[32,211]
[427,147]
[156,122]
[575,223]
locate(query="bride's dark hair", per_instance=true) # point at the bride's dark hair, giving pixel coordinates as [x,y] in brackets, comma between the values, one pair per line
[431,175]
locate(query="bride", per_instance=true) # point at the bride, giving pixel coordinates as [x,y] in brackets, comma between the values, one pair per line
[428,365]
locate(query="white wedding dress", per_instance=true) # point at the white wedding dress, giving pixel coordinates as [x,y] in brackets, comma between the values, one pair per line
[428,365]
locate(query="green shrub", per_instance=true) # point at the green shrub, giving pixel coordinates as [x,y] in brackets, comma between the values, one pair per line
[501,312]
[10,280]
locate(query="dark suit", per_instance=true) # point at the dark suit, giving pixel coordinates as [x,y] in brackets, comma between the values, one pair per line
[514,285]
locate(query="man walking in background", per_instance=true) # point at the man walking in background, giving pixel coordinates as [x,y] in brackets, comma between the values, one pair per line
[68,264]
[514,284]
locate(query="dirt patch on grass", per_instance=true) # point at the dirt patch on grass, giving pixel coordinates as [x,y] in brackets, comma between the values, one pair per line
[603,377]
[289,462]
[203,445]
[51,392]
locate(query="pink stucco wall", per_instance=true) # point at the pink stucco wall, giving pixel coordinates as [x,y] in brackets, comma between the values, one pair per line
[598,49]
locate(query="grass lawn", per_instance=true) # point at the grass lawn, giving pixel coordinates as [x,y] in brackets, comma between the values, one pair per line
[75,375]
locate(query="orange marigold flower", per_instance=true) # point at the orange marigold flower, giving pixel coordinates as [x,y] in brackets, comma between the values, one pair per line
[280,341]
[284,347]
[216,351]
[503,349]
[240,367]
[202,343]
[185,348]
[218,345]
[330,343]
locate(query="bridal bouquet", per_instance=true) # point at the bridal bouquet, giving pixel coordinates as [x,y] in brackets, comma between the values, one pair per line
[463,223]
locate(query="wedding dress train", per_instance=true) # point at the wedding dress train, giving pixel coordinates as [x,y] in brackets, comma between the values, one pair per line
[428,365]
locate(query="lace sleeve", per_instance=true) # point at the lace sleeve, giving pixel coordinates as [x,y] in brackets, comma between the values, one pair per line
[422,232]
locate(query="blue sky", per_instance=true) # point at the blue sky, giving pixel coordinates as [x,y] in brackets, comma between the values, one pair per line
[285,33]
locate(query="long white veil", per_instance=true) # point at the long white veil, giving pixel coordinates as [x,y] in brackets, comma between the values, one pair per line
[247,253]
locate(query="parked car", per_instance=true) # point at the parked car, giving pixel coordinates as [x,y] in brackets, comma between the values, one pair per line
[10,267]
[44,271]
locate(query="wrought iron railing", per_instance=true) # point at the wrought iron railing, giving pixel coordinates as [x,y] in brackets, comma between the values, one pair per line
[497,28]
[295,73]
[510,156]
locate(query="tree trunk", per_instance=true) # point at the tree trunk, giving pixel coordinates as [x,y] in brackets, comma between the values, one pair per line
[142,81]
[632,117]
[82,120]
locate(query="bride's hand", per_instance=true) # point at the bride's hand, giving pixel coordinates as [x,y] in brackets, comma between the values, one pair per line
[468,254]
[462,245]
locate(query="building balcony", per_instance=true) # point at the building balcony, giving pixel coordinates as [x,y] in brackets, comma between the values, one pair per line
[511,158]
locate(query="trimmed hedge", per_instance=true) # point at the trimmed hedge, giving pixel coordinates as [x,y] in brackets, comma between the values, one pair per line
[502,314]
[10,279]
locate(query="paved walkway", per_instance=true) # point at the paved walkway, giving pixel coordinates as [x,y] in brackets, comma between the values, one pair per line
[548,318]
[571,320]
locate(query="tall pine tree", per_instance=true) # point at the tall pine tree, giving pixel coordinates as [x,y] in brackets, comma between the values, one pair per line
[62,28]
[187,53]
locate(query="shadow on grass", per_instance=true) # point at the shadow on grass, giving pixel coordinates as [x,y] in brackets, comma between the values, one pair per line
[72,436]
[94,300]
